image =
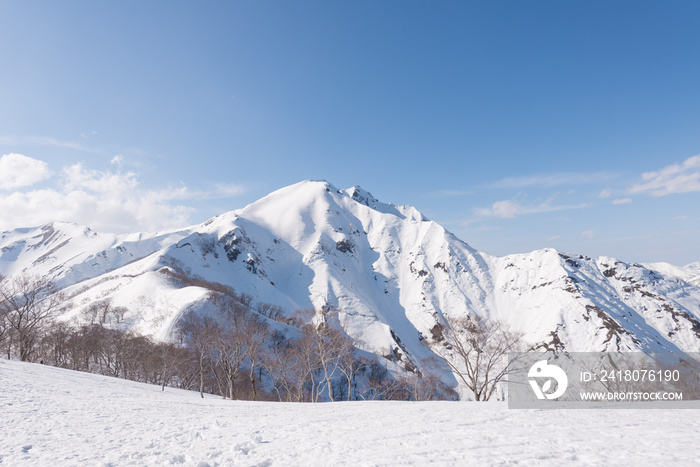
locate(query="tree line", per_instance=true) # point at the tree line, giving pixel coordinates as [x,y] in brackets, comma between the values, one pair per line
[225,347]
[239,350]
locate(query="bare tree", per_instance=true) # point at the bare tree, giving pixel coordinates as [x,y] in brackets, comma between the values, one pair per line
[269,310]
[28,303]
[4,321]
[235,338]
[168,353]
[329,343]
[118,312]
[56,344]
[377,377]
[101,310]
[90,313]
[350,367]
[254,333]
[476,350]
[302,353]
[284,369]
[197,333]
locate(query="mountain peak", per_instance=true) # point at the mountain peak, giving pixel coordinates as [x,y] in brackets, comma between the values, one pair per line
[394,274]
[361,195]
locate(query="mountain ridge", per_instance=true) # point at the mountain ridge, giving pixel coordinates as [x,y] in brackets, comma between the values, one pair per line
[394,274]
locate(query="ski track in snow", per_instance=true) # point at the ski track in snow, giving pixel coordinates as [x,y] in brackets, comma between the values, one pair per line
[50,416]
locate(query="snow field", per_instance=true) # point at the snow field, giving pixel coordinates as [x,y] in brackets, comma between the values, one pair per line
[51,416]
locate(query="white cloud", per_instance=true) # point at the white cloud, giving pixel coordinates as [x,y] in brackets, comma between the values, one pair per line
[117,160]
[75,177]
[227,190]
[508,209]
[17,171]
[622,201]
[676,178]
[104,200]
[588,234]
[606,193]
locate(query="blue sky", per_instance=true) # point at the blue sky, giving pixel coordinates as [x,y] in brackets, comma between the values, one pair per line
[516,125]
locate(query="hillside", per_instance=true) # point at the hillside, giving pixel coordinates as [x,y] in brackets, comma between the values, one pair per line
[393,273]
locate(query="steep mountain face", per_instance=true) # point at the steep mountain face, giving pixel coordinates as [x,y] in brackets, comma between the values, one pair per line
[393,274]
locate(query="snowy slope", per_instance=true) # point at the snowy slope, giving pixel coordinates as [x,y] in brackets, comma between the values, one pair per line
[58,417]
[689,273]
[392,272]
[70,253]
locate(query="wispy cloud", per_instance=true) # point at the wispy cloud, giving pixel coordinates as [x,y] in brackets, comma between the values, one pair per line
[622,201]
[227,190]
[588,234]
[509,209]
[548,180]
[676,178]
[47,142]
[117,160]
[606,193]
[651,236]
[544,180]
[450,193]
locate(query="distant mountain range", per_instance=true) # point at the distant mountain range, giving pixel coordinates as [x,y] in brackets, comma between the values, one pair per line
[393,274]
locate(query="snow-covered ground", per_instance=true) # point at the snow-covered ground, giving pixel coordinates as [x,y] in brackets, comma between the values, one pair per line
[53,417]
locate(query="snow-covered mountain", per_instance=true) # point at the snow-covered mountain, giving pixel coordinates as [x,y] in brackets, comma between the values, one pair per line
[393,274]
[689,273]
